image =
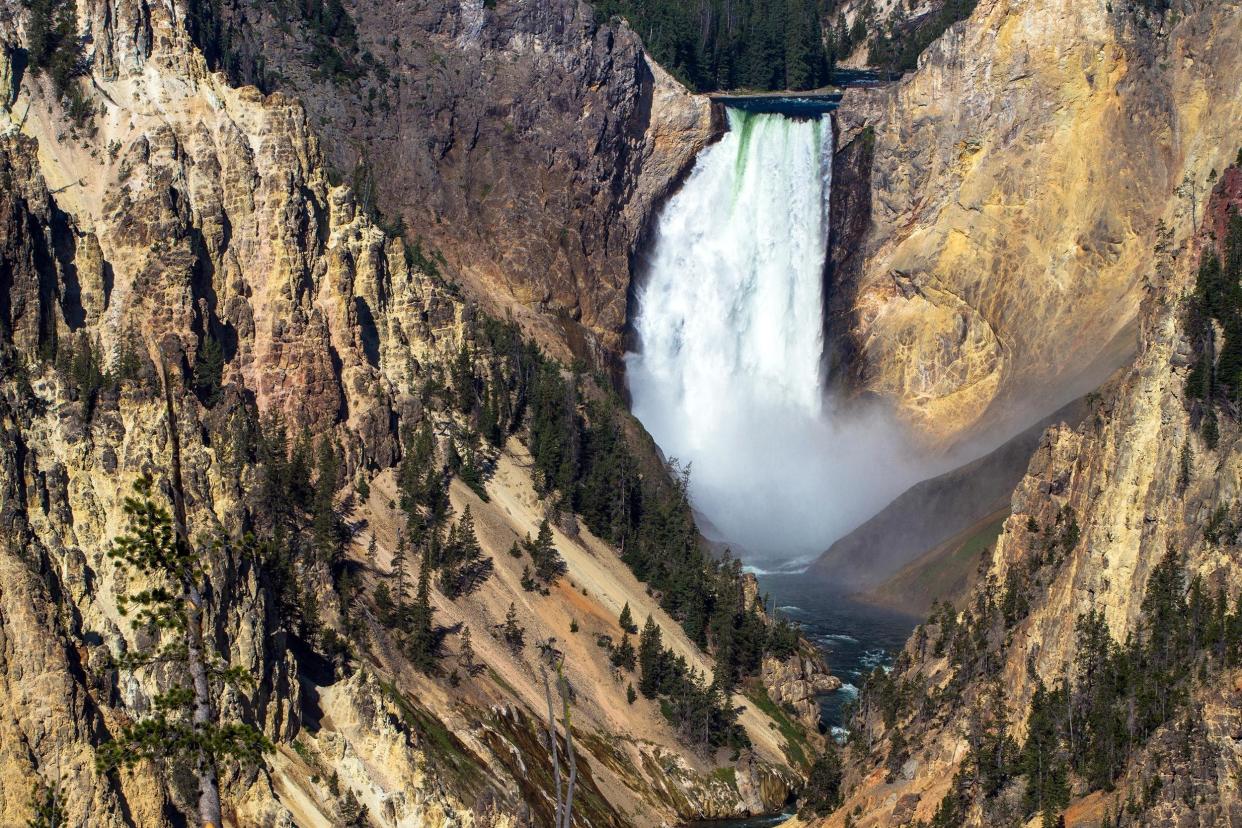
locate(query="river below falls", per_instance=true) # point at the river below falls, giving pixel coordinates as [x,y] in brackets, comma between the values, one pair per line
[749,822]
[855,637]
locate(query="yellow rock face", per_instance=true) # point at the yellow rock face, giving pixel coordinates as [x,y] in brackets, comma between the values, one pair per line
[1018,181]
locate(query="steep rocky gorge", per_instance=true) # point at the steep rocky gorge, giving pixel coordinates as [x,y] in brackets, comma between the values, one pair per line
[995,215]
[1001,196]
[1010,222]
[1100,508]
[187,214]
[1041,193]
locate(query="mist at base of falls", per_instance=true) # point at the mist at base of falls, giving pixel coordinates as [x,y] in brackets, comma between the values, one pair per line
[728,373]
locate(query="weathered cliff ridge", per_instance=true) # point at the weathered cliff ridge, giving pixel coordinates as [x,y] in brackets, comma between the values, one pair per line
[1017,180]
[193,221]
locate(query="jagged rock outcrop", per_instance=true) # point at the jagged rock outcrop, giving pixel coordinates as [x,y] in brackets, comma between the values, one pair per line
[525,142]
[1017,181]
[797,681]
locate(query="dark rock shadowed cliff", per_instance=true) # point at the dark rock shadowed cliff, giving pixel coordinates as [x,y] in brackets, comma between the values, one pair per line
[524,142]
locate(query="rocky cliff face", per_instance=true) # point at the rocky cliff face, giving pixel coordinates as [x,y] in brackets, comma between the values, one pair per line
[194,223]
[1017,184]
[525,143]
[797,681]
[1098,510]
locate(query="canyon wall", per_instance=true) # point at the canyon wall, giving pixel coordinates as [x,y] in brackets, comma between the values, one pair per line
[1018,181]
[1099,509]
[526,143]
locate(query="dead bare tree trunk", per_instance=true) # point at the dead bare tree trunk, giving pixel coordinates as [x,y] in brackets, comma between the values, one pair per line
[565,792]
[209,813]
[563,686]
[556,762]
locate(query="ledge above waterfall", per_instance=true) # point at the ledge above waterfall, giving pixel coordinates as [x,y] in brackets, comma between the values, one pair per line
[791,105]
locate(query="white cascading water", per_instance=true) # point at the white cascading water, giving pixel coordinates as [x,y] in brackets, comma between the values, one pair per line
[729,321]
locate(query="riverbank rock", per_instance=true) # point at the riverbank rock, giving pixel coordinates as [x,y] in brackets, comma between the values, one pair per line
[750,787]
[796,682]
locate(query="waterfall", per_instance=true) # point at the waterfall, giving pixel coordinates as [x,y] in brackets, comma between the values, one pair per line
[729,324]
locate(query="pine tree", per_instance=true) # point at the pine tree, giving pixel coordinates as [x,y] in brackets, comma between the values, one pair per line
[467,538]
[548,562]
[421,482]
[650,659]
[45,802]
[1096,726]
[398,570]
[489,420]
[1211,431]
[472,474]
[630,695]
[513,632]
[463,380]
[423,643]
[623,656]
[384,608]
[822,794]
[462,565]
[1184,465]
[301,465]
[626,620]
[993,750]
[353,813]
[208,370]
[898,753]
[324,522]
[465,655]
[1042,759]
[182,725]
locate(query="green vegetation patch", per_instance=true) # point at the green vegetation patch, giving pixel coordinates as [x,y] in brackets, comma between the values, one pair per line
[727,775]
[796,745]
[746,44]
[1215,377]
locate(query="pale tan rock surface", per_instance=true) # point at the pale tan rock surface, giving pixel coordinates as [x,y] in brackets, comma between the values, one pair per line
[1017,182]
